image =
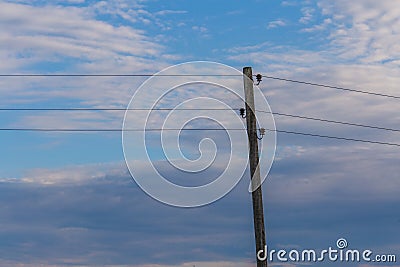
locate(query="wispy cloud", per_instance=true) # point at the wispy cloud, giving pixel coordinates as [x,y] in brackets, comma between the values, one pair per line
[289,3]
[53,33]
[308,13]
[73,39]
[170,12]
[202,31]
[366,32]
[351,43]
[276,23]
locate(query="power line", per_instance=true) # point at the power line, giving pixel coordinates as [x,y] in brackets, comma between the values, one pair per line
[205,75]
[331,121]
[339,138]
[195,129]
[120,75]
[116,130]
[332,87]
[204,109]
[111,109]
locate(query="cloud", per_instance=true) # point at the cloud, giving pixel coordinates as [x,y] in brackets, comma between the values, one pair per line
[170,12]
[91,215]
[76,38]
[345,60]
[234,12]
[56,38]
[276,23]
[367,31]
[318,27]
[308,14]
[289,3]
[107,220]
[37,34]
[75,174]
[76,1]
[201,30]
[321,67]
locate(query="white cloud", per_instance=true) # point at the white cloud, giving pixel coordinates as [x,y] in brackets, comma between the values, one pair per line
[289,3]
[200,29]
[363,163]
[367,31]
[276,23]
[76,1]
[308,14]
[71,39]
[361,53]
[170,12]
[319,27]
[81,174]
[358,174]
[37,34]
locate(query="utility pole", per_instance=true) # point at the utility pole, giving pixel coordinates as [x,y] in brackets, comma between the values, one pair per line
[258,210]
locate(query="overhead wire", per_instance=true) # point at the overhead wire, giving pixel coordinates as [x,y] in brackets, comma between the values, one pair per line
[120,75]
[195,129]
[332,87]
[207,75]
[205,109]
[199,129]
[110,109]
[331,121]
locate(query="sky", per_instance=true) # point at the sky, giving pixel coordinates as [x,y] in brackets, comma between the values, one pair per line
[68,198]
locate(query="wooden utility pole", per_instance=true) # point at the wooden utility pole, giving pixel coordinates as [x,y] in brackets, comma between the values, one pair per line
[258,210]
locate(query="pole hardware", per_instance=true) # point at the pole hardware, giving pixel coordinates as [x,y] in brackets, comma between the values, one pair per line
[262,133]
[242,113]
[259,79]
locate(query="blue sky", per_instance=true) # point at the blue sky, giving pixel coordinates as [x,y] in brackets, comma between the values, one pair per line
[67,199]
